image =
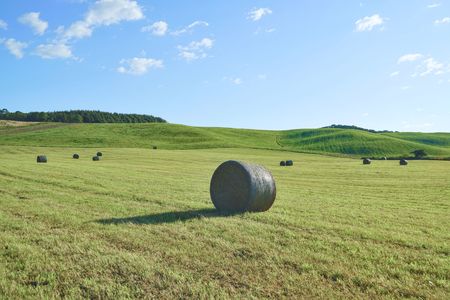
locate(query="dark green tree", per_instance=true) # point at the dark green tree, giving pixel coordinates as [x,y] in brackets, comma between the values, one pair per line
[419,154]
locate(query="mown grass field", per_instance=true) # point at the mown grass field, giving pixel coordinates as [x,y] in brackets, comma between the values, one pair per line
[140,224]
[347,142]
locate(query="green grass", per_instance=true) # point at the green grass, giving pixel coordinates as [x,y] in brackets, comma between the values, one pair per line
[171,136]
[140,223]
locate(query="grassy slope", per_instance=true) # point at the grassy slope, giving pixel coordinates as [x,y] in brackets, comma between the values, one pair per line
[171,136]
[140,223]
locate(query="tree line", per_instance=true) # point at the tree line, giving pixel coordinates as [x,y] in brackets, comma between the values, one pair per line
[357,128]
[78,116]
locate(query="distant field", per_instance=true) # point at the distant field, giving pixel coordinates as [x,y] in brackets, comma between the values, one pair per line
[140,223]
[171,136]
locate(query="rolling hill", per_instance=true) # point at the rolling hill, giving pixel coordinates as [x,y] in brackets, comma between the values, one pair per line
[172,136]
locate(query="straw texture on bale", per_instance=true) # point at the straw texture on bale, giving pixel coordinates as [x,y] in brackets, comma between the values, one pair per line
[289,163]
[238,187]
[367,161]
[41,159]
[96,158]
[403,162]
[76,156]
[282,163]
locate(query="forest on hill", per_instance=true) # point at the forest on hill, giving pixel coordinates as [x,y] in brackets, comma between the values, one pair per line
[78,116]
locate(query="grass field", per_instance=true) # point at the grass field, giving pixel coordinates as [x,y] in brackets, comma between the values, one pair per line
[140,224]
[355,143]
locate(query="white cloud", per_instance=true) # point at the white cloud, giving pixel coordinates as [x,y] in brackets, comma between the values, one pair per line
[195,50]
[158,28]
[190,27]
[434,5]
[394,74]
[369,23]
[78,30]
[432,66]
[256,14]
[445,20]
[409,57]
[3,25]
[139,65]
[104,13]
[262,76]
[234,80]
[15,47]
[54,51]
[32,19]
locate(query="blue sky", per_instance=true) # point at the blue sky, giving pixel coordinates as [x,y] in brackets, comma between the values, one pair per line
[248,64]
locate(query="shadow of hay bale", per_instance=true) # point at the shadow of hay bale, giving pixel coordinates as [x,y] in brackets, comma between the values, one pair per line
[167,217]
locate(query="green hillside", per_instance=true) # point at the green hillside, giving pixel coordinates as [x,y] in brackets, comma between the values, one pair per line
[172,136]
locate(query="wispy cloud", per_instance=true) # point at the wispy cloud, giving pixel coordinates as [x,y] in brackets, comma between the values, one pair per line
[15,47]
[369,23]
[234,80]
[54,51]
[394,74]
[434,5]
[445,20]
[409,57]
[33,20]
[3,25]
[190,27]
[257,14]
[158,28]
[139,65]
[195,50]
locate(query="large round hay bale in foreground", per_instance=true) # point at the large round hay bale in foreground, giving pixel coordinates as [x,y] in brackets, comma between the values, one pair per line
[99,154]
[289,163]
[403,162]
[76,156]
[367,161]
[96,158]
[239,186]
[282,163]
[41,159]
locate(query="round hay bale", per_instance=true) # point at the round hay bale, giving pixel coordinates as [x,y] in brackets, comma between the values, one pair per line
[282,163]
[96,158]
[41,159]
[289,163]
[76,156]
[403,162]
[367,161]
[154,147]
[238,187]
[99,154]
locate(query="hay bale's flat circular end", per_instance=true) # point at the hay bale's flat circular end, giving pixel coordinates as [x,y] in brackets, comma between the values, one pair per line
[239,187]
[367,161]
[41,159]
[282,163]
[76,156]
[96,158]
[403,162]
[99,154]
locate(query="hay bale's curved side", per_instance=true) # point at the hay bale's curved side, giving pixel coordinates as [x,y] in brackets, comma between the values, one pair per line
[367,161]
[96,158]
[238,186]
[289,163]
[403,162]
[76,156]
[41,159]
[282,163]
[99,154]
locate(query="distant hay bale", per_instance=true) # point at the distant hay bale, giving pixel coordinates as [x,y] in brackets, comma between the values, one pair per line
[96,158]
[76,156]
[282,163]
[403,162]
[154,147]
[41,159]
[239,187]
[99,154]
[367,161]
[289,163]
